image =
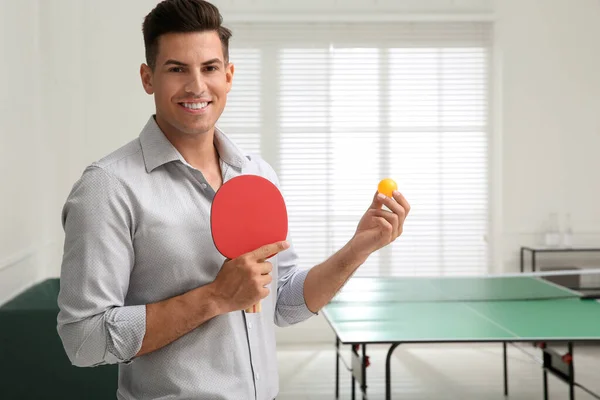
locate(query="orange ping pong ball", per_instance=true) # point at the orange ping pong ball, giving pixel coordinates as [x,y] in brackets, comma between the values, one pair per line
[387,186]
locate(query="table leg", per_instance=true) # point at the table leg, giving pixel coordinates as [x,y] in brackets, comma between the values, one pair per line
[571,374]
[364,371]
[505,370]
[388,372]
[545,384]
[337,367]
[353,378]
[522,264]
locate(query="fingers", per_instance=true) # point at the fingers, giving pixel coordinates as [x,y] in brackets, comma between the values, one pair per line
[399,207]
[399,197]
[264,292]
[397,204]
[265,267]
[378,201]
[397,211]
[389,221]
[253,267]
[269,250]
[395,207]
[264,280]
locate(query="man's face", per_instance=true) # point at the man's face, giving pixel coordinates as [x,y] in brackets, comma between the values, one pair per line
[190,82]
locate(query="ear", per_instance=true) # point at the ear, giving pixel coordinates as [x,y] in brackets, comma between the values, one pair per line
[229,70]
[146,75]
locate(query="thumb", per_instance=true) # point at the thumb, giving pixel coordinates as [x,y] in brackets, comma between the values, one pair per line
[377,201]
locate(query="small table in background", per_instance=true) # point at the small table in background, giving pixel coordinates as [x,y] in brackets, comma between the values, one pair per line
[573,281]
[535,250]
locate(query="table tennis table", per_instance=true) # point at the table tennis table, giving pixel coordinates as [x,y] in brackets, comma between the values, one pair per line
[487,309]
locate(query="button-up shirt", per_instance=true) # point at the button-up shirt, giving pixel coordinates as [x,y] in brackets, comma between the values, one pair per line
[137,231]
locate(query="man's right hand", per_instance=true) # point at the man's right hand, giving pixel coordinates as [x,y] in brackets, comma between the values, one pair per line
[239,285]
[242,282]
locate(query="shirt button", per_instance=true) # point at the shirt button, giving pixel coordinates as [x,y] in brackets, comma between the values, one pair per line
[204,185]
[257,376]
[249,325]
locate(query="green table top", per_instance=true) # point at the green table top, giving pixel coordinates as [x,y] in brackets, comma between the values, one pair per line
[487,309]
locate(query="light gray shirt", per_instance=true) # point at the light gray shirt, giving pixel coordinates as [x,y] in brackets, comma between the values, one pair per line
[137,232]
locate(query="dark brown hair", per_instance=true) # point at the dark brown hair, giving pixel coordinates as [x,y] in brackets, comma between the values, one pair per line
[182,16]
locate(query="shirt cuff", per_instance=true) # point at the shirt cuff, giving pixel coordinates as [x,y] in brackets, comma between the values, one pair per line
[291,306]
[126,327]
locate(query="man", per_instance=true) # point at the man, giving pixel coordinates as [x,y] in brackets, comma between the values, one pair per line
[142,284]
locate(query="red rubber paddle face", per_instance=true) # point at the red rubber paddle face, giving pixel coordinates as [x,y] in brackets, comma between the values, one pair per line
[248,212]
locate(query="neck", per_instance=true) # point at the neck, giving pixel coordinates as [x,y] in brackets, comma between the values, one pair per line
[197,149]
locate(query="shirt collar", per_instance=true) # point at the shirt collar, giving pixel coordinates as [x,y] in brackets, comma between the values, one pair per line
[158,150]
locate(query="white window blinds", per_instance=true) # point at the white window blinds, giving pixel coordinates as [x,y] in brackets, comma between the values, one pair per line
[337,107]
[241,119]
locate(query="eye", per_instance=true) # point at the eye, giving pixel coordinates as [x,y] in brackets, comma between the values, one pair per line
[211,68]
[176,69]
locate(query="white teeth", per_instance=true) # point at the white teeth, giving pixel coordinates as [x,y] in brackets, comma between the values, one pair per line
[195,106]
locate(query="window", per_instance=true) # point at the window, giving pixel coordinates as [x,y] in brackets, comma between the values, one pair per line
[342,106]
[241,118]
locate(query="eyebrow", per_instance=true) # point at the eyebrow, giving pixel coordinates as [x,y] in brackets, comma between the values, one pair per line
[213,61]
[182,64]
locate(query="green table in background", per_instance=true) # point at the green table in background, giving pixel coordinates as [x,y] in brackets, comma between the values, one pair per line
[33,362]
[509,309]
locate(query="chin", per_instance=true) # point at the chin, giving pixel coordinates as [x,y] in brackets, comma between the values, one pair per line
[191,127]
[196,130]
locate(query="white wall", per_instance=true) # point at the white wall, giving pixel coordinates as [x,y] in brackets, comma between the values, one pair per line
[90,101]
[91,88]
[23,161]
[549,57]
[233,10]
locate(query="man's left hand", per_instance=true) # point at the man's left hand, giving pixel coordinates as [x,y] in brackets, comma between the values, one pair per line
[379,227]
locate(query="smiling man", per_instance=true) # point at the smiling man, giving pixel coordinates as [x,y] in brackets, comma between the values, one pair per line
[142,284]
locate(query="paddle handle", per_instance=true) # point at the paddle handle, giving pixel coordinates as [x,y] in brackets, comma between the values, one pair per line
[254,309]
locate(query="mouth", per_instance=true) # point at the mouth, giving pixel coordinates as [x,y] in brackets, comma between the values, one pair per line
[196,107]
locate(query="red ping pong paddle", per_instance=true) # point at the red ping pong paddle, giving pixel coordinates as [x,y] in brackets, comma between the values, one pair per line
[248,212]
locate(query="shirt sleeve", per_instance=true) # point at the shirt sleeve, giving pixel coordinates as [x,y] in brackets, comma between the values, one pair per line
[291,306]
[94,324]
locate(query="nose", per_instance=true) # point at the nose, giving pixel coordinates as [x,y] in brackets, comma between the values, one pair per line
[196,85]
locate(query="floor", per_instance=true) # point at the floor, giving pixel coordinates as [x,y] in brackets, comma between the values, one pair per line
[443,371]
